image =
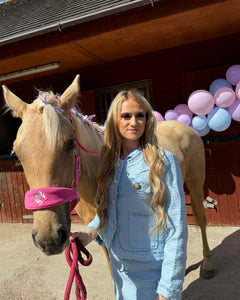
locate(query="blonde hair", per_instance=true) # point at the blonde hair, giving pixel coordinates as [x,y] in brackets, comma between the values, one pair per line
[152,154]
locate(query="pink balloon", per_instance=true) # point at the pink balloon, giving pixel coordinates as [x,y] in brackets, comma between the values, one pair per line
[237,90]
[184,118]
[183,109]
[201,102]
[171,115]
[224,97]
[233,74]
[234,110]
[157,116]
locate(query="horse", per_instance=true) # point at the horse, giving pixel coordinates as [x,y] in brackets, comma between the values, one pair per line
[46,147]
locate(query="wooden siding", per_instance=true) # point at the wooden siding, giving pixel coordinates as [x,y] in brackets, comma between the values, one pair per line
[13,186]
[222,184]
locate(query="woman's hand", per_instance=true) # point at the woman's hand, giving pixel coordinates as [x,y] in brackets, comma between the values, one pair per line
[85,237]
[159,297]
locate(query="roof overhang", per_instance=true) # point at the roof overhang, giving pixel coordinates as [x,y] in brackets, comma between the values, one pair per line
[124,34]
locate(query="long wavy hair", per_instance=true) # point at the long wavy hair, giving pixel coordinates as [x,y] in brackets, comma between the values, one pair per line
[111,150]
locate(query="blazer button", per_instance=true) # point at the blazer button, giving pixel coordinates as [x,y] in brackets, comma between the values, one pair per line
[137,186]
[118,164]
[113,224]
[115,181]
[113,201]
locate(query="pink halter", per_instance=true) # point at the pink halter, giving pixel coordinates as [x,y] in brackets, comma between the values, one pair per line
[49,197]
[52,196]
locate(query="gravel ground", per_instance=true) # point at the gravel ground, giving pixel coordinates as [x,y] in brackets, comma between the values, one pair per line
[27,274]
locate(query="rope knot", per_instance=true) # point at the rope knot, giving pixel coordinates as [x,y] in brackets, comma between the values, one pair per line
[73,256]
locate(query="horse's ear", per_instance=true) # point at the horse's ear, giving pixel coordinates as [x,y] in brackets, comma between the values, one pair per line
[16,104]
[68,98]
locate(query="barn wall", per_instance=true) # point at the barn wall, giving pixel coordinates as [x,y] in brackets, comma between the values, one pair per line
[222,184]
[13,186]
[175,73]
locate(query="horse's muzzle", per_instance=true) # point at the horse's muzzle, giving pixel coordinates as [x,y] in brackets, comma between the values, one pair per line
[55,244]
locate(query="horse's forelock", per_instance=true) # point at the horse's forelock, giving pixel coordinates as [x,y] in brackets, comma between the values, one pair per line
[51,118]
[48,97]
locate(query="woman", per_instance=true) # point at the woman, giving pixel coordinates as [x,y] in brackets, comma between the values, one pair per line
[141,214]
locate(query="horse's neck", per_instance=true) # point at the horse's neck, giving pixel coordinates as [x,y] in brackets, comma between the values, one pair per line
[87,184]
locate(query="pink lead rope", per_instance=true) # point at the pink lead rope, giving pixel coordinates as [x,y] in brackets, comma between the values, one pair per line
[75,248]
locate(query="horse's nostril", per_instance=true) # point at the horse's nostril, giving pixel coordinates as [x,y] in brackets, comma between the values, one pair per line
[34,233]
[52,244]
[62,236]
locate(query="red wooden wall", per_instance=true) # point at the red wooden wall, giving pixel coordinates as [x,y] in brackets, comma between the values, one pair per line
[13,186]
[222,184]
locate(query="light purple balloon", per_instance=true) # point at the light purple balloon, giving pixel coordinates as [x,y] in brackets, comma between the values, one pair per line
[184,118]
[157,116]
[234,110]
[224,97]
[201,102]
[183,109]
[233,74]
[237,90]
[171,115]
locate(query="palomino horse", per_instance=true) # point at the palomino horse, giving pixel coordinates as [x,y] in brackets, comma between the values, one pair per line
[46,147]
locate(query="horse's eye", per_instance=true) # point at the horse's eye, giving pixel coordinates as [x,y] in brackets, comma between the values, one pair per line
[71,144]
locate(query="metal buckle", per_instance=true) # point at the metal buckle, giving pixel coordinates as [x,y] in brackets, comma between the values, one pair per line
[210,203]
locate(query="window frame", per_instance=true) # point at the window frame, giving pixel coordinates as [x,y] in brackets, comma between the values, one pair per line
[104,96]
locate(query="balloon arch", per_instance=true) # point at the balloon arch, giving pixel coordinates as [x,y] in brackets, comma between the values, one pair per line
[213,109]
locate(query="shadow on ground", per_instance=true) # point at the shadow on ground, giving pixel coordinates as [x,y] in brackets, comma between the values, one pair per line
[226,283]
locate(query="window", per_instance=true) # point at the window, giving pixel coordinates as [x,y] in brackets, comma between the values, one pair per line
[8,130]
[105,95]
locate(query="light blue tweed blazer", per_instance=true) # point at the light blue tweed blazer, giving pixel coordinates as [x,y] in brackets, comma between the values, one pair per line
[129,223]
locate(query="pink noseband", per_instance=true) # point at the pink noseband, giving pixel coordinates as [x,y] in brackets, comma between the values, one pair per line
[52,196]
[49,197]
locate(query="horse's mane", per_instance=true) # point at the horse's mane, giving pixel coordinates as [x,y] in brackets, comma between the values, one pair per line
[88,133]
